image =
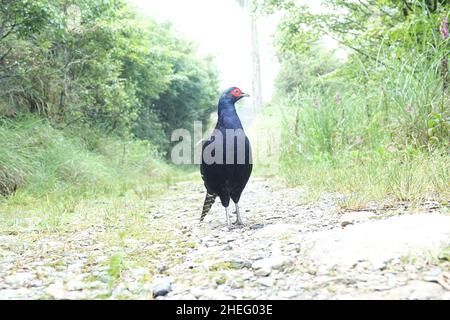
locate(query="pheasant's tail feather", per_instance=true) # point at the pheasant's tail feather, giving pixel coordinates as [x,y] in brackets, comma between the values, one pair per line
[209,201]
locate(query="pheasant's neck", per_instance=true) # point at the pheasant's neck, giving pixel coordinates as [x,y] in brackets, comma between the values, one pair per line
[228,117]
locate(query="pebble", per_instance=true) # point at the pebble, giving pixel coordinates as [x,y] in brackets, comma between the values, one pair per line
[13,294]
[56,290]
[275,262]
[432,275]
[267,282]
[138,273]
[19,279]
[263,271]
[288,294]
[279,230]
[234,284]
[75,285]
[257,226]
[349,218]
[246,274]
[163,268]
[161,287]
[239,264]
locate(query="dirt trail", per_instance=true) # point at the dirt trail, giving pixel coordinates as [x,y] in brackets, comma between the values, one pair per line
[286,250]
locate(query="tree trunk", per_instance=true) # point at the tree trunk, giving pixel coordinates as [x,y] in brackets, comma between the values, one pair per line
[256,70]
[256,65]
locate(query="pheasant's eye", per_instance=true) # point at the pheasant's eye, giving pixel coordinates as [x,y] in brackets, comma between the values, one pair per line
[236,92]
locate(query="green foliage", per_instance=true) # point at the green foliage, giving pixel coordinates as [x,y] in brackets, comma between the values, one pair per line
[38,161]
[360,25]
[101,64]
[89,94]
[190,96]
[378,175]
[300,72]
[375,122]
[116,265]
[23,17]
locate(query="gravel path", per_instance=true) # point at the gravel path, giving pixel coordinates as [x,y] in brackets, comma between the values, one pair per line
[144,249]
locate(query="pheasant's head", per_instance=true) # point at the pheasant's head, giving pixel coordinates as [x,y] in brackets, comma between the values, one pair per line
[233,95]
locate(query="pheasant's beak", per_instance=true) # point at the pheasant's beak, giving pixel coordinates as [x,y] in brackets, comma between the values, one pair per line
[244,95]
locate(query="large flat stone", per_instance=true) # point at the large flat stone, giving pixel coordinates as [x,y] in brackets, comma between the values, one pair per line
[378,241]
[278,230]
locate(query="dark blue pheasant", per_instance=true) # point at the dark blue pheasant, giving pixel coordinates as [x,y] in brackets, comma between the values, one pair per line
[227,175]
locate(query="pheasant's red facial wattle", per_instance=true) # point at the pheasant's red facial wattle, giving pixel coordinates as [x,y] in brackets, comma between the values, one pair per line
[236,92]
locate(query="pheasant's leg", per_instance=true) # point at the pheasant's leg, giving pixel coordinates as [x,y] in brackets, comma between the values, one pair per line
[238,219]
[227,213]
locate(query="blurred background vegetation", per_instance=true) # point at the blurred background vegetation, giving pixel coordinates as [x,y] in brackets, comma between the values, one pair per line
[369,118]
[90,91]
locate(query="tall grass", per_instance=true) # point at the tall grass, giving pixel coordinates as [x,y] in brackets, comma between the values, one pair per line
[378,133]
[39,163]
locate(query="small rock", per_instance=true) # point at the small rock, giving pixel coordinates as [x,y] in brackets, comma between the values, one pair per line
[197,292]
[321,296]
[278,230]
[211,294]
[191,265]
[138,273]
[281,262]
[161,287]
[120,291]
[277,275]
[219,280]
[233,284]
[257,226]
[239,264]
[227,239]
[415,290]
[210,243]
[295,247]
[267,282]
[19,279]
[13,294]
[432,275]
[246,274]
[94,284]
[75,266]
[163,268]
[261,263]
[56,290]
[378,265]
[275,262]
[75,285]
[356,216]
[424,290]
[444,280]
[263,271]
[289,294]
[346,223]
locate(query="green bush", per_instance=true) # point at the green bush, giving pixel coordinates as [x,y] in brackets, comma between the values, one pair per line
[38,160]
